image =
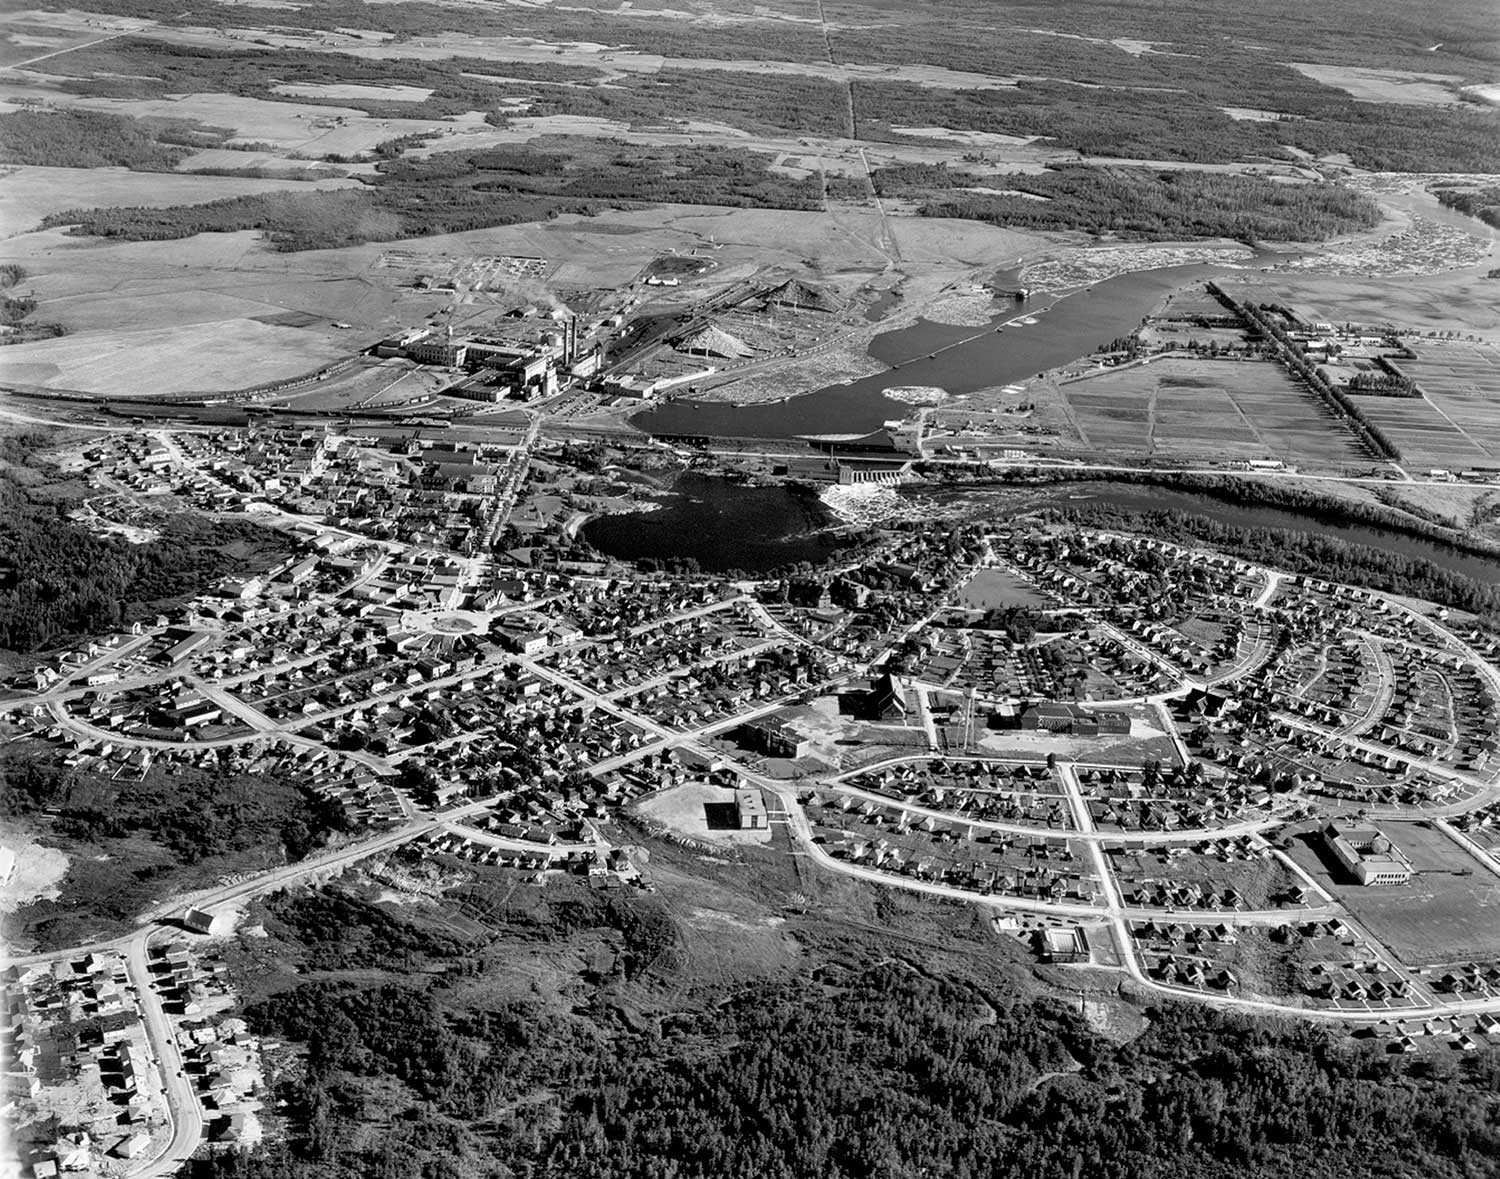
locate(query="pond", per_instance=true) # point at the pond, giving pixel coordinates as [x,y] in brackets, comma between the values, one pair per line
[723,525]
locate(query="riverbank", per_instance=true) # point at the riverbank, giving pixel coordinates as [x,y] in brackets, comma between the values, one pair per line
[1014,346]
[1312,517]
[1084,268]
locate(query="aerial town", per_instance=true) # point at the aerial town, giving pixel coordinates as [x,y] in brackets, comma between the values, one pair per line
[1232,784]
[671,591]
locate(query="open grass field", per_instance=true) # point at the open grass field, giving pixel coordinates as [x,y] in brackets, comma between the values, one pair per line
[1178,408]
[1448,913]
[991,589]
[1404,87]
[198,357]
[29,194]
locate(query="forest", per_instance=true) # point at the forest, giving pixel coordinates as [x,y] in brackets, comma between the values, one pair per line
[195,813]
[450,192]
[59,581]
[1318,556]
[94,139]
[1082,93]
[1139,203]
[882,1070]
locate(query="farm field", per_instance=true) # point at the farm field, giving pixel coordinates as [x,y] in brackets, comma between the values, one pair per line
[1458,420]
[1179,408]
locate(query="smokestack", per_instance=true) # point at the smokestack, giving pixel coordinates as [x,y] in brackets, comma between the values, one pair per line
[570,339]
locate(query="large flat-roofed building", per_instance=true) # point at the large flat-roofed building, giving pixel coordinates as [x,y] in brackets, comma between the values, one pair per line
[750,806]
[1059,717]
[775,737]
[1367,855]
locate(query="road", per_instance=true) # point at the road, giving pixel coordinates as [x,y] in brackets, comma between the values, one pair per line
[1188,835]
[1107,910]
[183,1108]
[21,65]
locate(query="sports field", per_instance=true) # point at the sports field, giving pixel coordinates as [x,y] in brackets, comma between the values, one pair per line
[1448,913]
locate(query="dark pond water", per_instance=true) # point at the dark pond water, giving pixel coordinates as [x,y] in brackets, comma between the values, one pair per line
[726,525]
[723,525]
[958,359]
[882,304]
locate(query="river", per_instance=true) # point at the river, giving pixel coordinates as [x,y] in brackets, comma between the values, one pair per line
[726,525]
[957,359]
[1138,498]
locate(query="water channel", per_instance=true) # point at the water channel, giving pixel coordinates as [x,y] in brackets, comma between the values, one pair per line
[956,359]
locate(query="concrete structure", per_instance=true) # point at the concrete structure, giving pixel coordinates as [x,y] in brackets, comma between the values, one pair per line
[750,807]
[878,471]
[1367,855]
[774,737]
[1054,717]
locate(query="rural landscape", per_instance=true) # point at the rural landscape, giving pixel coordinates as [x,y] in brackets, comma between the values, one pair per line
[801,588]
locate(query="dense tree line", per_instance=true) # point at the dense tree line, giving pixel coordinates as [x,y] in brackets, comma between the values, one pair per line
[1135,202]
[879,1072]
[59,581]
[1285,494]
[1383,384]
[755,102]
[1305,552]
[338,931]
[1483,203]
[93,139]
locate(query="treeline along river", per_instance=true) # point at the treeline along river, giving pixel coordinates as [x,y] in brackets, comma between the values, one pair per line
[720,525]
